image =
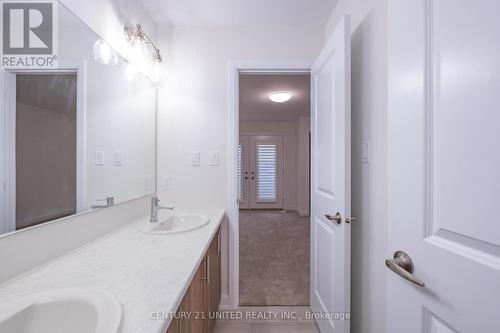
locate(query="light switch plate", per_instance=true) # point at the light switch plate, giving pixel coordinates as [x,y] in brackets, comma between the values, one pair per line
[213,157]
[118,158]
[365,152]
[99,157]
[166,183]
[195,158]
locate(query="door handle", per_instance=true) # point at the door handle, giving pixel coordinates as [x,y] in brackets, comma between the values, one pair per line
[337,218]
[403,266]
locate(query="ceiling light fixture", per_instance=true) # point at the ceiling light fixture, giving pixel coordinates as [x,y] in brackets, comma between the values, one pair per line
[280,96]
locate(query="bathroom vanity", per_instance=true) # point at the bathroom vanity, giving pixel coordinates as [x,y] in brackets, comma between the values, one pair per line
[151,276]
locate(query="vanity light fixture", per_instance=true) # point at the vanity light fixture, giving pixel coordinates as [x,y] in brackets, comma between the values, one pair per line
[280,96]
[104,54]
[157,67]
[139,53]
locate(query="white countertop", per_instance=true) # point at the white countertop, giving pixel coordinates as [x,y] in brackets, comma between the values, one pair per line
[146,273]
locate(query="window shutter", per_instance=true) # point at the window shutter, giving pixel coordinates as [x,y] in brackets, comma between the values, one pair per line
[267,157]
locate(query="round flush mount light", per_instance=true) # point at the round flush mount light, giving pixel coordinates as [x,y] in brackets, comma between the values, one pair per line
[280,96]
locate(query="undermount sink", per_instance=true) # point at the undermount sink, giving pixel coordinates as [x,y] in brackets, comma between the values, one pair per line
[78,310]
[176,223]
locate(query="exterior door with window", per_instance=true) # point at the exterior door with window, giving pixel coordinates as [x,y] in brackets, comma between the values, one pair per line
[260,172]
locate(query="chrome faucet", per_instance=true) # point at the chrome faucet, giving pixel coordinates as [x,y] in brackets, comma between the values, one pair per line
[154,209]
[110,201]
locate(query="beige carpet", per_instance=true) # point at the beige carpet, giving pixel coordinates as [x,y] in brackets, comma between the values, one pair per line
[274,258]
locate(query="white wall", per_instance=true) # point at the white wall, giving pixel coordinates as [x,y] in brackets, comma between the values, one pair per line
[193,103]
[369,181]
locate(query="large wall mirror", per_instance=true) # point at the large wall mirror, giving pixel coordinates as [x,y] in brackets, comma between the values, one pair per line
[76,138]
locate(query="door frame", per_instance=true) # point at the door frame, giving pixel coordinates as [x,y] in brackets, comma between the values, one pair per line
[7,124]
[235,68]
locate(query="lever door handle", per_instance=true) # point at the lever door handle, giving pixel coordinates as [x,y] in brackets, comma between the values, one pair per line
[337,218]
[403,266]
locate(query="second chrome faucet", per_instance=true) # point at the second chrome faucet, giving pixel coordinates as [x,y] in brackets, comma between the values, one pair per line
[155,207]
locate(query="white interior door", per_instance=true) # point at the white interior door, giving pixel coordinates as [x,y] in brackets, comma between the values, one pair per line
[330,190]
[444,134]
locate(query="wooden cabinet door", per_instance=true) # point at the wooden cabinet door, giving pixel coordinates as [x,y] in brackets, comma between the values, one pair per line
[212,284]
[196,304]
[216,271]
[207,290]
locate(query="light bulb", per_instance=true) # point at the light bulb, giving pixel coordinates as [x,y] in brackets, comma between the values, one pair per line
[104,54]
[138,52]
[157,67]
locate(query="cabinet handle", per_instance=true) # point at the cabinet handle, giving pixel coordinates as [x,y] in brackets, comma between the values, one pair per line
[218,243]
[207,270]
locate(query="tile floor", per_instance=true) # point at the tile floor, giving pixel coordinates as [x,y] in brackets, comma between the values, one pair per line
[279,325]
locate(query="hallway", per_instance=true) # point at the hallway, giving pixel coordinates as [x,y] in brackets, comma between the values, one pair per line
[274,258]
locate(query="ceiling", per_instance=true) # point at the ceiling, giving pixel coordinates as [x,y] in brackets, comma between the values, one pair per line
[240,12]
[254,96]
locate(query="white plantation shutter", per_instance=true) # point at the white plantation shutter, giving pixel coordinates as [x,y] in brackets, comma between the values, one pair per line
[240,172]
[267,161]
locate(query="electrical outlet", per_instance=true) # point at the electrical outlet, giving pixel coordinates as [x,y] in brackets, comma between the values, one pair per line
[118,158]
[99,157]
[365,152]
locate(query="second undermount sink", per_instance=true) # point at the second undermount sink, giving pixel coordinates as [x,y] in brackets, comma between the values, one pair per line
[77,310]
[175,223]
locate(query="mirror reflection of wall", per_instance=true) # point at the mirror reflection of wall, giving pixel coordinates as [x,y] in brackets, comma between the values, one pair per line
[74,135]
[45,164]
